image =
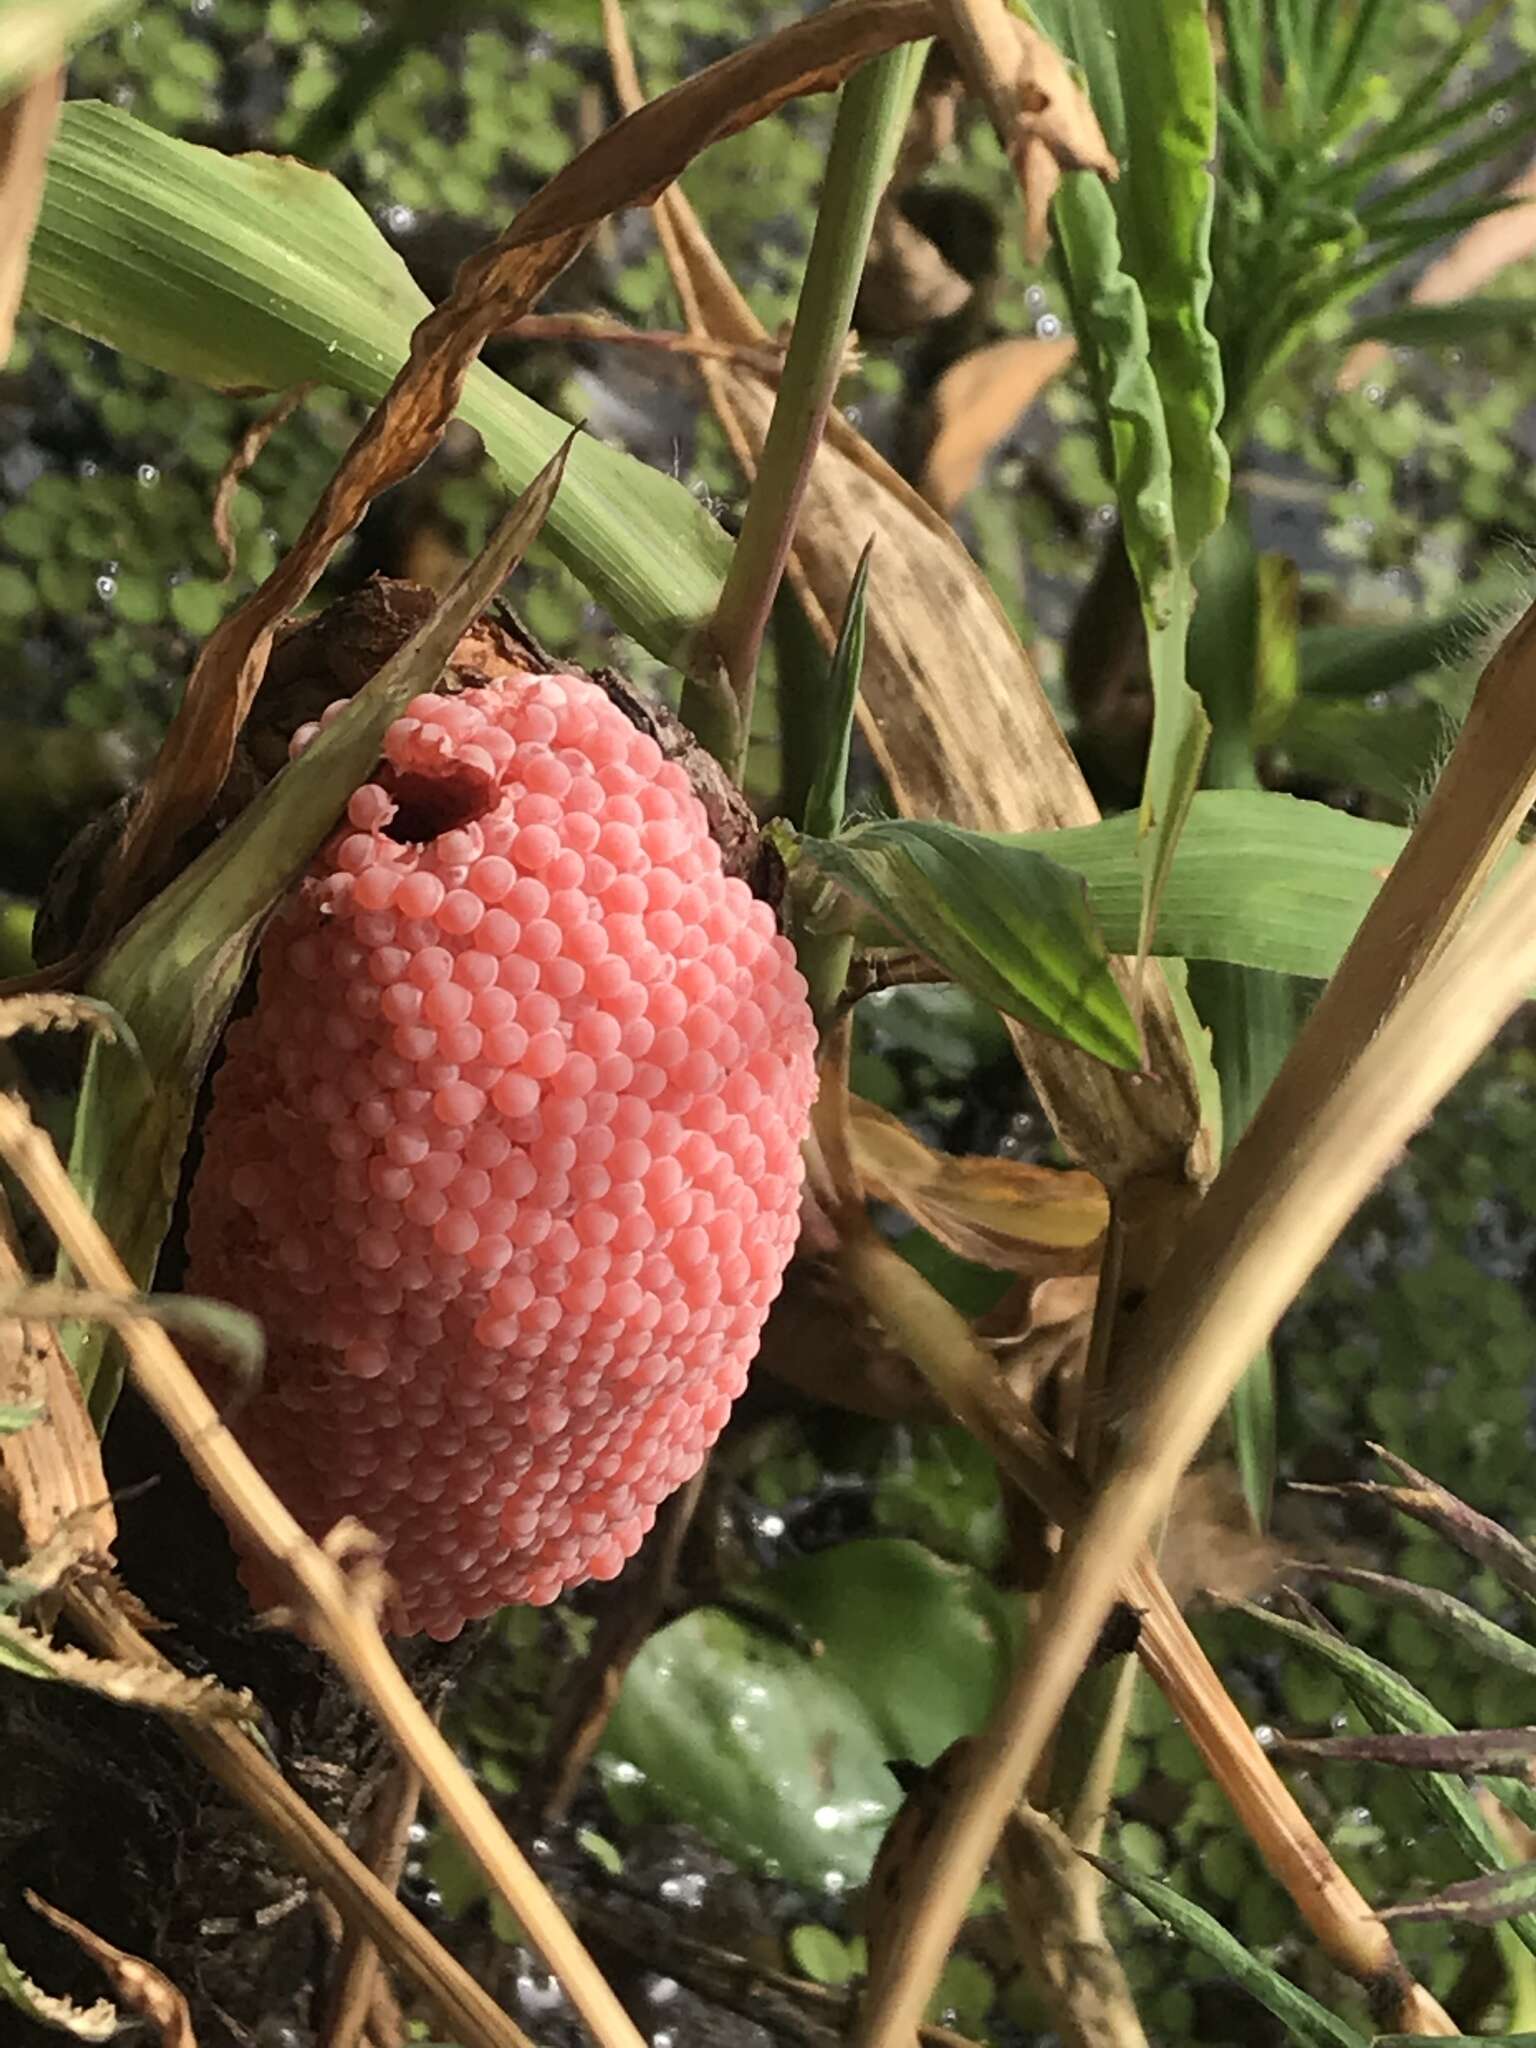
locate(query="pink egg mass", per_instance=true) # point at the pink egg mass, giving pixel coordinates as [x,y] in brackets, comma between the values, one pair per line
[507,1155]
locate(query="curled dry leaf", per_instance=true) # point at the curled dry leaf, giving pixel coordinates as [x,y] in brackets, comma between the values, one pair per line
[141,1987]
[1000,1212]
[1041,114]
[98,2022]
[976,402]
[26,128]
[36,1011]
[157,1687]
[630,164]
[246,451]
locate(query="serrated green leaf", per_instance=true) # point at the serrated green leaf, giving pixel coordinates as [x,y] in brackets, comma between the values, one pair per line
[98,2022]
[1309,2023]
[1003,921]
[258,272]
[36,34]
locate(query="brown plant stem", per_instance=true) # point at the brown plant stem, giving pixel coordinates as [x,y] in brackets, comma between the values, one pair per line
[336,1612]
[356,1966]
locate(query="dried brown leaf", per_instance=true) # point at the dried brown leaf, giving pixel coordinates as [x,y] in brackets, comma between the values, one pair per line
[160,1689]
[1052,1897]
[976,402]
[907,284]
[35,1011]
[999,1212]
[26,129]
[140,1986]
[1488,246]
[1041,114]
[246,451]
[51,1476]
[630,164]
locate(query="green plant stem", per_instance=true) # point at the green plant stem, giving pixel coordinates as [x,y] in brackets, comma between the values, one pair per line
[871,116]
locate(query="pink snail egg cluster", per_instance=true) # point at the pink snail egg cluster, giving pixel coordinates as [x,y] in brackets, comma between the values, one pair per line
[507,1155]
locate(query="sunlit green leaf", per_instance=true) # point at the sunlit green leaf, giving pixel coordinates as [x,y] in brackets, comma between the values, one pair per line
[259,273]
[1003,921]
[35,34]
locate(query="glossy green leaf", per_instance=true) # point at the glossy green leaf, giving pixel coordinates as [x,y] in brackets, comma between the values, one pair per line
[1003,921]
[173,974]
[260,273]
[36,34]
[779,1754]
[1308,2023]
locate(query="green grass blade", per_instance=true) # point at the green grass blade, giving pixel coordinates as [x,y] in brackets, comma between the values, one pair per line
[1390,1704]
[245,272]
[827,802]
[1472,1632]
[1004,921]
[1356,661]
[1463,320]
[1357,50]
[1309,2023]
[1392,750]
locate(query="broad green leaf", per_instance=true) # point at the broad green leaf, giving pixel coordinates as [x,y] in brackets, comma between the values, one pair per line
[98,2022]
[260,273]
[173,974]
[1309,2023]
[36,34]
[1004,922]
[1463,320]
[1393,1706]
[778,1753]
[1260,879]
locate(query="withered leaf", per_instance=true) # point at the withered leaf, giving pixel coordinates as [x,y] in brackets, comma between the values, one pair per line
[141,1987]
[1004,1213]
[26,128]
[977,401]
[157,1687]
[245,452]
[1501,1751]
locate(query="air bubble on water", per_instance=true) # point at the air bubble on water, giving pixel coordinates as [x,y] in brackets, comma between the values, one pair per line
[1338,1722]
[1034,297]
[147,475]
[124,95]
[1103,515]
[1377,700]
[687,1890]
[539,1992]
[623,1772]
[1500,114]
[770,1525]
[1374,394]
[852,415]
[400,220]
[417,1833]
[663,2038]
[541,1846]
[202,7]
[87,470]
[106,588]
[661,1990]
[1048,327]
[1265,1736]
[833,1882]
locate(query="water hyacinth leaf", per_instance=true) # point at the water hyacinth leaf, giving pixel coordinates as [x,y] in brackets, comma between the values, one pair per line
[779,1756]
[98,2022]
[1468,1755]
[1003,921]
[1307,2022]
[175,971]
[36,34]
[826,802]
[1472,1632]
[260,273]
